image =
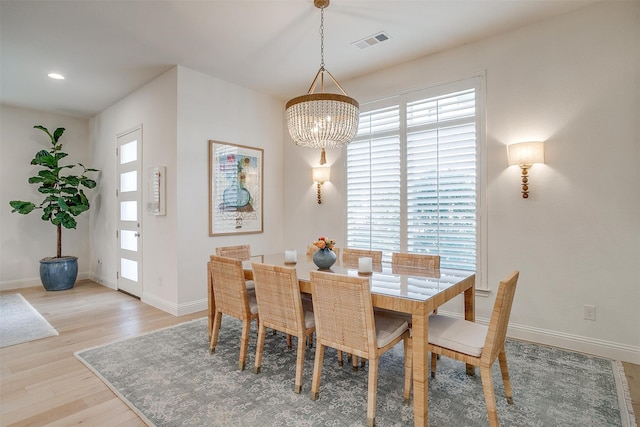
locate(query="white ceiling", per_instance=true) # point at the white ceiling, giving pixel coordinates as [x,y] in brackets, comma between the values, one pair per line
[107,49]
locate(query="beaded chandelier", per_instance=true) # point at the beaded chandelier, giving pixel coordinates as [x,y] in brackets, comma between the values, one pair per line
[322,120]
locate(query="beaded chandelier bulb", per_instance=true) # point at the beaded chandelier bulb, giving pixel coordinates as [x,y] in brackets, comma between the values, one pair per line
[322,120]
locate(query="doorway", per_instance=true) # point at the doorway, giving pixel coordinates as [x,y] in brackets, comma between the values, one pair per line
[129,194]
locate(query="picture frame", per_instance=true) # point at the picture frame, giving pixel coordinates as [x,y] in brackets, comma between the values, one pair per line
[235,189]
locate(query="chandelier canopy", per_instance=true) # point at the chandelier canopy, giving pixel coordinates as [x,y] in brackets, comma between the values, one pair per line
[322,120]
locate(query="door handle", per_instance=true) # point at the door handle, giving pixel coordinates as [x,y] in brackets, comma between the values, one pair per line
[137,234]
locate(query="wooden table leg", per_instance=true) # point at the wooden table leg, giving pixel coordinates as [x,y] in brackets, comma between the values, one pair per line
[420,329]
[470,312]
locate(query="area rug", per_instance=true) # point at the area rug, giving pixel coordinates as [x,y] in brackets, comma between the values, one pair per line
[169,378]
[20,322]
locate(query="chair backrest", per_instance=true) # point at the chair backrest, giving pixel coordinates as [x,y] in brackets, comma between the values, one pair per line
[229,288]
[350,256]
[497,330]
[343,312]
[415,260]
[278,295]
[241,252]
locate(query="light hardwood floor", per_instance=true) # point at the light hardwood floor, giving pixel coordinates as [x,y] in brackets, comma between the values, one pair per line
[43,384]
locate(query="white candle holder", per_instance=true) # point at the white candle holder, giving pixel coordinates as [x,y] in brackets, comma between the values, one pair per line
[290,257]
[365,265]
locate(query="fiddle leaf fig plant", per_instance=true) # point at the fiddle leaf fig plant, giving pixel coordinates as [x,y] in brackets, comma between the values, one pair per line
[63,193]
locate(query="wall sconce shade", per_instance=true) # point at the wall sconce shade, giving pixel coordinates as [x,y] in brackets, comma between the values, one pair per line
[320,175]
[525,154]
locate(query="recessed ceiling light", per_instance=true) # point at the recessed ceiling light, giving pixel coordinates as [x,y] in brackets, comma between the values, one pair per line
[56,76]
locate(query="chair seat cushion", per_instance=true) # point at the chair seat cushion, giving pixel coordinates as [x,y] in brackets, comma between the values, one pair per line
[250,284]
[388,328]
[253,302]
[309,320]
[457,334]
[307,308]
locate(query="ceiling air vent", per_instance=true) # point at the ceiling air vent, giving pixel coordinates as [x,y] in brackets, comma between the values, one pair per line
[372,40]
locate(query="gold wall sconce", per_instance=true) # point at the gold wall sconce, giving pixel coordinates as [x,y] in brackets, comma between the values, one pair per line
[525,154]
[320,175]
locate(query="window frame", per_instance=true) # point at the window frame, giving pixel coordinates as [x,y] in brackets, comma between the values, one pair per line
[477,82]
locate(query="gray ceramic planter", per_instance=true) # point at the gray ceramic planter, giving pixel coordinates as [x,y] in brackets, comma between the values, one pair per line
[58,274]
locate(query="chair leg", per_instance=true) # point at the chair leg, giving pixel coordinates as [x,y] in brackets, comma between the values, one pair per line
[317,371]
[340,362]
[489,398]
[262,332]
[371,392]
[289,345]
[217,319]
[408,365]
[354,362]
[434,361]
[502,358]
[244,343]
[299,365]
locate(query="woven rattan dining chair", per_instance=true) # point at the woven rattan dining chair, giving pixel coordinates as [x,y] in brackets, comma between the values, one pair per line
[345,321]
[477,345]
[241,252]
[233,299]
[415,260]
[281,308]
[350,256]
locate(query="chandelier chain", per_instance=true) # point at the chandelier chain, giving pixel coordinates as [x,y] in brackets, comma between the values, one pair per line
[322,38]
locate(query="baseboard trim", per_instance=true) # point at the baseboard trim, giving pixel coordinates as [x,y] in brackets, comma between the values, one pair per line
[581,344]
[173,308]
[31,282]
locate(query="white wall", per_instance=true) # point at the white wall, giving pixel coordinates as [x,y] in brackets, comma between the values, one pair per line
[154,107]
[211,109]
[572,81]
[179,112]
[25,239]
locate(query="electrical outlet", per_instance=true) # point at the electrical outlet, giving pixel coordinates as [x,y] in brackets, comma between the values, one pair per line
[589,312]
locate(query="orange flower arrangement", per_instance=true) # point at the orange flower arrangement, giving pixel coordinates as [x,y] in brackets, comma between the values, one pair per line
[324,243]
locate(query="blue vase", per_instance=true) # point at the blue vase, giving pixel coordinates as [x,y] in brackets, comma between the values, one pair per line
[324,258]
[58,274]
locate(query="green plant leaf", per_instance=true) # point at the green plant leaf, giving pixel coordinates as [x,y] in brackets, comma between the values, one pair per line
[63,205]
[44,158]
[78,209]
[22,207]
[45,130]
[57,134]
[87,182]
[69,190]
[71,180]
[47,190]
[36,179]
[66,220]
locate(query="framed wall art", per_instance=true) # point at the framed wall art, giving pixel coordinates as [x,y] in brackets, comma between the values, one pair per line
[235,189]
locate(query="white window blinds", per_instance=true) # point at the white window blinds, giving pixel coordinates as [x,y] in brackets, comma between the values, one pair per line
[412,175]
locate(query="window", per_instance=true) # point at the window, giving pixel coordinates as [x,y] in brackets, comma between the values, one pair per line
[413,174]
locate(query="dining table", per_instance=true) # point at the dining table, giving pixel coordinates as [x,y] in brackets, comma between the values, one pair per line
[414,291]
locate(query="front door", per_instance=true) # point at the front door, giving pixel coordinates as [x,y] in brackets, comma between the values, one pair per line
[129,212]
